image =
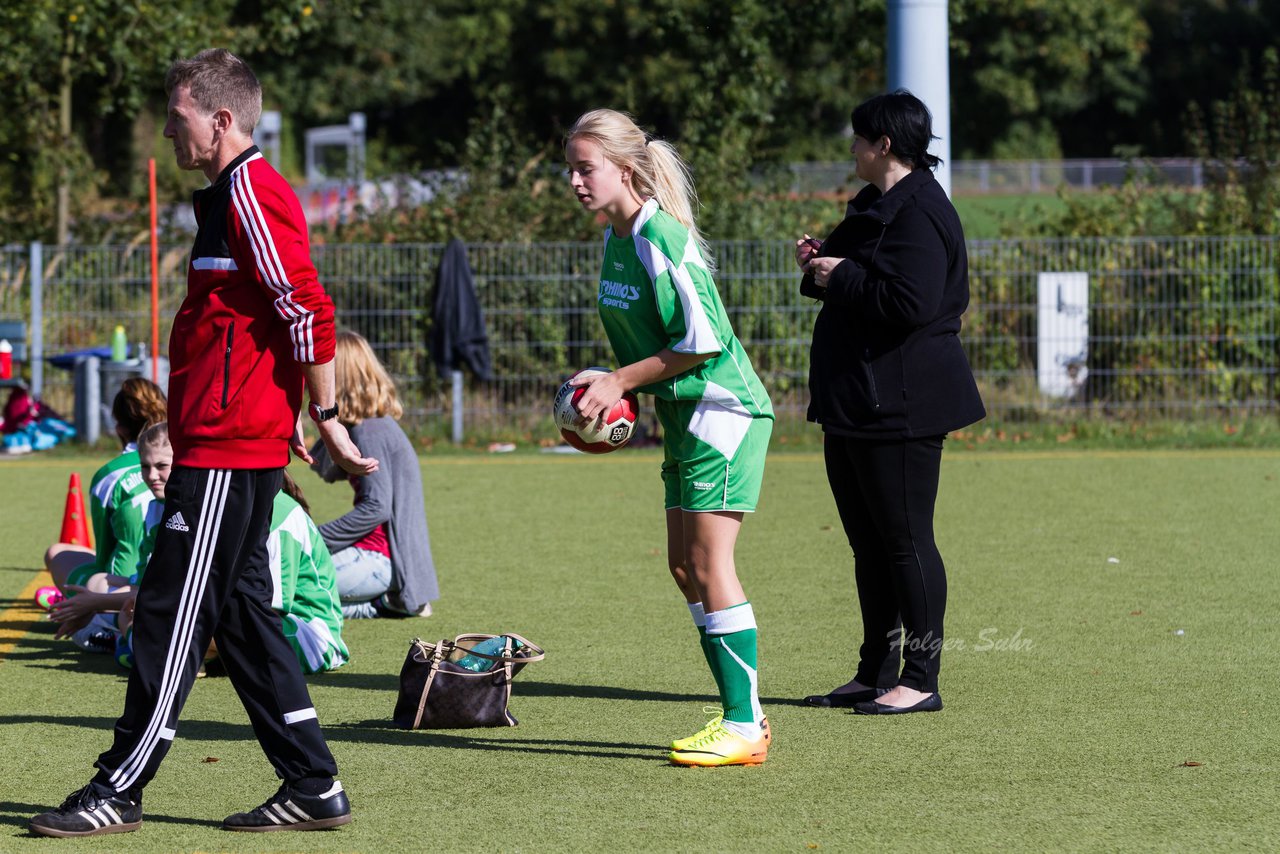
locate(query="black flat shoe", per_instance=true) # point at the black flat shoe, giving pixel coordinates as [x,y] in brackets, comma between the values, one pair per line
[845,700]
[931,703]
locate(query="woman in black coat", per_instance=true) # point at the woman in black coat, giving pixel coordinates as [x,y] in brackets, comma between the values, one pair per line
[888,379]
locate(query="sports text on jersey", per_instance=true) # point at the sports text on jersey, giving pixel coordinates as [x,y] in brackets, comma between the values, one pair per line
[617,294]
[177,523]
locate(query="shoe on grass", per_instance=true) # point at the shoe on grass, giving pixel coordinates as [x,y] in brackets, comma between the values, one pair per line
[291,809]
[682,743]
[717,746]
[98,636]
[86,812]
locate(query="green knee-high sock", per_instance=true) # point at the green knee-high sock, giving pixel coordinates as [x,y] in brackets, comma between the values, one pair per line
[731,634]
[712,661]
[700,620]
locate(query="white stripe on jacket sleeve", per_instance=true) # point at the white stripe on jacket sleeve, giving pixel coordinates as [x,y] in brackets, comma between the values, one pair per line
[270,267]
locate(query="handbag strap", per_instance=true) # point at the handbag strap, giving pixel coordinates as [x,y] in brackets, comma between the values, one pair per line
[433,667]
[439,650]
[537,653]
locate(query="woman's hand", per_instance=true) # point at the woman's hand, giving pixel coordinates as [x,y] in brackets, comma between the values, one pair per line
[602,392]
[820,269]
[806,248]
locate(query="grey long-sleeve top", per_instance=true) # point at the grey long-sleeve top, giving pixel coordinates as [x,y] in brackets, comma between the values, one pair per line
[391,495]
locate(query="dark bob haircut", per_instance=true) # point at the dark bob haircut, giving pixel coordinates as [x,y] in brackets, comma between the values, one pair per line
[903,118]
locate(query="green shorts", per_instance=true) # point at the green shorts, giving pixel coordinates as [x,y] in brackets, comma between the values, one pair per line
[81,574]
[713,458]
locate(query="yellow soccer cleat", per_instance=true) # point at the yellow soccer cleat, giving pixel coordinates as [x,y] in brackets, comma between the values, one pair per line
[682,743]
[718,746]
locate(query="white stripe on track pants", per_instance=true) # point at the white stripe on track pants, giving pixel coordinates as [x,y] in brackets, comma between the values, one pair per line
[209,578]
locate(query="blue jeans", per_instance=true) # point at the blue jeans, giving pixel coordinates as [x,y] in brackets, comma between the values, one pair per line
[362,577]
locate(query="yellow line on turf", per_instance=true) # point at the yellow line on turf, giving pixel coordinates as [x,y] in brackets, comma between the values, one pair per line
[24,610]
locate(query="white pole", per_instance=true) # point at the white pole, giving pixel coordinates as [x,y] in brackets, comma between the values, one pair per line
[35,335]
[456,376]
[918,60]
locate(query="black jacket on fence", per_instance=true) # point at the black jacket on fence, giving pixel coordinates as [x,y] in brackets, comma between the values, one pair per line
[886,360]
[458,335]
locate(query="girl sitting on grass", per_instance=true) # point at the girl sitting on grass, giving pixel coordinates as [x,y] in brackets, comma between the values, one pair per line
[118,500]
[101,607]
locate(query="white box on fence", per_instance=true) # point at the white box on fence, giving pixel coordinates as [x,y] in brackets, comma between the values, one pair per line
[1062,333]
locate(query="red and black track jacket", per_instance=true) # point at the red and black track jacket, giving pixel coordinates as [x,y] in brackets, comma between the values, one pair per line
[254,310]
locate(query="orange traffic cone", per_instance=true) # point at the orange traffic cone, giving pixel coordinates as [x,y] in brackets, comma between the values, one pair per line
[75,525]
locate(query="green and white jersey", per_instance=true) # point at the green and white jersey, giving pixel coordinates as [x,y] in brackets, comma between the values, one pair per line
[656,293]
[118,502]
[151,523]
[305,588]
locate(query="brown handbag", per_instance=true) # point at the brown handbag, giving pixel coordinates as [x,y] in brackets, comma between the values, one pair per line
[436,692]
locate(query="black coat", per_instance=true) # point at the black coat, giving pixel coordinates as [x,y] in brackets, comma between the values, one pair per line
[886,360]
[458,334]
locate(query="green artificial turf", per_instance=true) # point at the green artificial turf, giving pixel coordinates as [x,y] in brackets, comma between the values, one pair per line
[1078,717]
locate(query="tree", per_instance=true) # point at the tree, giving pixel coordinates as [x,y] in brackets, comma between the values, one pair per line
[81,72]
[1023,69]
[1197,49]
[1241,147]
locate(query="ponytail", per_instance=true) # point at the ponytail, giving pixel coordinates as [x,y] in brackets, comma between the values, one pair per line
[657,170]
[672,185]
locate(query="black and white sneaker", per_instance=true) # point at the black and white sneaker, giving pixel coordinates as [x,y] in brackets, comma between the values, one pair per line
[290,809]
[88,813]
[98,636]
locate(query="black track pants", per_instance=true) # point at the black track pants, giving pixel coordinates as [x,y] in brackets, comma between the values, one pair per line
[209,578]
[885,492]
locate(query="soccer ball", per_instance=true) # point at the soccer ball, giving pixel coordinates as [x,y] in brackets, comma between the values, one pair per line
[604,434]
[47,597]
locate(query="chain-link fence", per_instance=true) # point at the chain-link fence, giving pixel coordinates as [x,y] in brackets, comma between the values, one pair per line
[1169,327]
[980,177]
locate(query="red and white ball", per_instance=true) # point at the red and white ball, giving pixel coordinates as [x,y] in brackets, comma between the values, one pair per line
[600,435]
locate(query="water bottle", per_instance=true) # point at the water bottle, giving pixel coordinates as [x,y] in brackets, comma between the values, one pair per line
[6,359]
[119,345]
[492,646]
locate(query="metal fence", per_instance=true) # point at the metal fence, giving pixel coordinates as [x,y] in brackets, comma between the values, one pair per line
[980,177]
[1176,327]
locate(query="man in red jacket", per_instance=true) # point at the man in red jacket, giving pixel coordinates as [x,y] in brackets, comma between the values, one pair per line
[254,327]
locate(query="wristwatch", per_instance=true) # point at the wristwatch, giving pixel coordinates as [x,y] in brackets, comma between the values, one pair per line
[319,415]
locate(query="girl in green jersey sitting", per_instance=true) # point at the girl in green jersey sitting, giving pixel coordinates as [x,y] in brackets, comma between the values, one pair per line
[118,496]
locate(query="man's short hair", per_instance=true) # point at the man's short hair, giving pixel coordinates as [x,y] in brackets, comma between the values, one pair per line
[217,78]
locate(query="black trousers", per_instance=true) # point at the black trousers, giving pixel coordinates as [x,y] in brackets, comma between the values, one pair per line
[209,578]
[885,492]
